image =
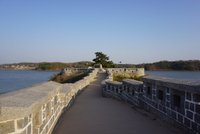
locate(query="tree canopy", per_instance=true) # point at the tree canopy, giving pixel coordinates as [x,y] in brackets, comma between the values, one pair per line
[103,59]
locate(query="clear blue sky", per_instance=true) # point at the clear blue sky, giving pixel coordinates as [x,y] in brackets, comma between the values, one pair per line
[131,31]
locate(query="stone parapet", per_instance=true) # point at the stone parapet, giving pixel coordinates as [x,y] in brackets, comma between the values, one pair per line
[175,101]
[35,110]
[126,71]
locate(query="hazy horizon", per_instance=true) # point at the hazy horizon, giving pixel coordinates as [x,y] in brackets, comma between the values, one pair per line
[92,61]
[139,31]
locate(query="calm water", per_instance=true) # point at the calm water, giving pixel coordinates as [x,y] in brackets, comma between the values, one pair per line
[13,80]
[190,75]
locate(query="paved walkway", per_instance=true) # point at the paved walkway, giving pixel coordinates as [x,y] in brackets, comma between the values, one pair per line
[94,114]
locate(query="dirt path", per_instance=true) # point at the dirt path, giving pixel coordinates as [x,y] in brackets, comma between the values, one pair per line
[94,114]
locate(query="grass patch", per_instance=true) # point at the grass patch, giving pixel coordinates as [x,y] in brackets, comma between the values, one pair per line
[72,78]
[120,78]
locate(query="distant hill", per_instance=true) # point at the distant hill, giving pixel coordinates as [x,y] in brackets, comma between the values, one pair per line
[60,65]
[190,65]
[45,65]
[19,66]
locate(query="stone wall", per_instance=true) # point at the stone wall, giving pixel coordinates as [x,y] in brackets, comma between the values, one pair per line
[127,71]
[35,110]
[175,101]
[69,71]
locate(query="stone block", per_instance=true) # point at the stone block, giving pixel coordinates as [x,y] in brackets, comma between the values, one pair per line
[187,122]
[197,118]
[164,109]
[7,127]
[29,129]
[198,128]
[192,106]
[194,126]
[187,105]
[196,97]
[25,120]
[48,109]
[37,119]
[167,104]
[173,115]
[42,127]
[168,90]
[189,114]
[188,96]
[21,123]
[160,107]
[23,132]
[51,121]
[168,97]
[180,118]
[168,111]
[29,118]
[197,109]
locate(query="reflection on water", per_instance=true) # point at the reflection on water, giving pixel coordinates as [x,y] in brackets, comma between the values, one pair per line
[14,79]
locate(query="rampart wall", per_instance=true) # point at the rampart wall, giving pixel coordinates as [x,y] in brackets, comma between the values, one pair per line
[36,110]
[127,71]
[175,101]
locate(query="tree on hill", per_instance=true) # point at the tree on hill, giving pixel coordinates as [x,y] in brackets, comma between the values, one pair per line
[103,59]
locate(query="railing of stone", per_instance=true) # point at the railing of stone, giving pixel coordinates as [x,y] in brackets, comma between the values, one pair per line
[127,90]
[178,100]
[36,110]
[175,101]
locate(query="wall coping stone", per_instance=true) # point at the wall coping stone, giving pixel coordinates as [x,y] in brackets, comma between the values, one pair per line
[23,102]
[13,104]
[116,83]
[186,85]
[132,81]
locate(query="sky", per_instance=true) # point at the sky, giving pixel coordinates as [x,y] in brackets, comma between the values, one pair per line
[130,31]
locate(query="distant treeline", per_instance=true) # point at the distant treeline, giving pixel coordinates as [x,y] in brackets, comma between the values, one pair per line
[49,65]
[59,65]
[190,65]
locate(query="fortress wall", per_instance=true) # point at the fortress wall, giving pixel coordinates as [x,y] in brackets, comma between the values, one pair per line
[70,71]
[127,71]
[175,101]
[35,110]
